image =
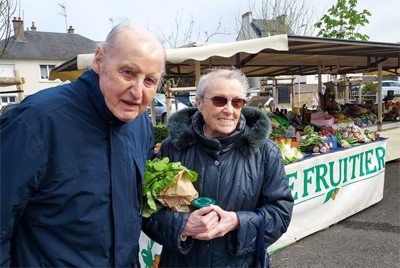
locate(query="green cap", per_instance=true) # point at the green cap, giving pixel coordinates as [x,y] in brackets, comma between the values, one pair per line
[202,202]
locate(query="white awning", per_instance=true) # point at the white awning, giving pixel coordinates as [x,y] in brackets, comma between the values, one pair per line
[228,51]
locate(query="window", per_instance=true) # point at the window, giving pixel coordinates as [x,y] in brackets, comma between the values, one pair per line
[45,71]
[8,99]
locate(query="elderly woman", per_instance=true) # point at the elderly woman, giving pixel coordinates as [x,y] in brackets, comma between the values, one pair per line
[238,166]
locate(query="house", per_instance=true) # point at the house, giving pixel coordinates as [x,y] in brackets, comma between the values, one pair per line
[255,28]
[33,54]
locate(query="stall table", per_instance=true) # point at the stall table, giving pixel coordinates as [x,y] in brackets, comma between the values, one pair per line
[333,186]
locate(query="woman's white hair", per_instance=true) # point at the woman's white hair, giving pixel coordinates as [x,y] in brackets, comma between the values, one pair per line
[233,73]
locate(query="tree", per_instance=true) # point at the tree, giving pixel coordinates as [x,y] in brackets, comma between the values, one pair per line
[293,17]
[186,36]
[7,10]
[343,21]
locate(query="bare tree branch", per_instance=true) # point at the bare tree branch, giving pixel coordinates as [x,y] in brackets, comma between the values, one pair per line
[187,35]
[7,10]
[217,31]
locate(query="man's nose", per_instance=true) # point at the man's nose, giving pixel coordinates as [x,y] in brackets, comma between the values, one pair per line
[136,88]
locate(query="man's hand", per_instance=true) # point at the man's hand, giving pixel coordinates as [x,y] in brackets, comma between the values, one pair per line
[228,221]
[200,221]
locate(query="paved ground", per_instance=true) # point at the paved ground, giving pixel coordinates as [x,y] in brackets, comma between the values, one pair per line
[370,238]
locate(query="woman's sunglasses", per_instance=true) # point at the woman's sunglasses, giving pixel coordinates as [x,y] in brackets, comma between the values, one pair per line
[220,101]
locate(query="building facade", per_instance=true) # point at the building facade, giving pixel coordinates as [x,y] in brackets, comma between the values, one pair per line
[32,54]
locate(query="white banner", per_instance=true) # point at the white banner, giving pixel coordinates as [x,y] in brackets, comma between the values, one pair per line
[332,187]
[327,189]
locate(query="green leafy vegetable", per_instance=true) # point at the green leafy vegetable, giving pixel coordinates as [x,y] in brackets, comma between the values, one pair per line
[159,175]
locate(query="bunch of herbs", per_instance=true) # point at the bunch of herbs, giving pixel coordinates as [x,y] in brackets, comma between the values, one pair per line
[159,175]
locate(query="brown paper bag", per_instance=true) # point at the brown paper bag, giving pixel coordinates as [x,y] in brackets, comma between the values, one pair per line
[179,197]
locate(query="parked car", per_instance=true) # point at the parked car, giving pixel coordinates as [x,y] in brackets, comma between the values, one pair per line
[161,107]
[7,107]
[390,85]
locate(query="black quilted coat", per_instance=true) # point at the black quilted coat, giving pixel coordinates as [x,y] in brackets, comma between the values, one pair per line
[242,172]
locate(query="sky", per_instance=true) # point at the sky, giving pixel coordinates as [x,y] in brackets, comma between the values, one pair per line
[94,18]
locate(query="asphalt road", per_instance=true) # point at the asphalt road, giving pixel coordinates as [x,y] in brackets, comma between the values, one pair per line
[370,238]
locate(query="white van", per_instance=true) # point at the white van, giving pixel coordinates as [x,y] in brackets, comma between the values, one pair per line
[390,85]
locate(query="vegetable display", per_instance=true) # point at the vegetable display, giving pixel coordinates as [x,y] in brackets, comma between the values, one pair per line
[158,176]
[294,130]
[311,140]
[289,154]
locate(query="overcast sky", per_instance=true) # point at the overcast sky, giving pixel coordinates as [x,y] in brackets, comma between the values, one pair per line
[93,18]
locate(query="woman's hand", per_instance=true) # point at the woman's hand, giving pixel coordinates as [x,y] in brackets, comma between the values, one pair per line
[201,221]
[228,221]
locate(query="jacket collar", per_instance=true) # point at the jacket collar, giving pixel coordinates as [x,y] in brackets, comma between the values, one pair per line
[185,128]
[91,80]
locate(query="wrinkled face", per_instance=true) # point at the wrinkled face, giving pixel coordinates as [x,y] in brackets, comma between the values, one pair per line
[220,121]
[129,73]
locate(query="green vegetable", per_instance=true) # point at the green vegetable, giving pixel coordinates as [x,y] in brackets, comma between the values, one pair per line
[307,144]
[278,132]
[289,154]
[159,175]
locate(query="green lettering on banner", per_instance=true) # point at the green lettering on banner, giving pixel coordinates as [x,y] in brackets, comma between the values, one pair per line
[380,156]
[320,177]
[361,164]
[291,185]
[353,160]
[306,180]
[332,175]
[368,162]
[343,169]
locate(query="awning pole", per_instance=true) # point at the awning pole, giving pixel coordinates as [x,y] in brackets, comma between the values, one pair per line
[319,78]
[168,96]
[197,71]
[21,94]
[379,123]
[293,93]
[298,90]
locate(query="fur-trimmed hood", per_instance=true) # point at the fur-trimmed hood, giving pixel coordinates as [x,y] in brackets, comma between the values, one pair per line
[253,129]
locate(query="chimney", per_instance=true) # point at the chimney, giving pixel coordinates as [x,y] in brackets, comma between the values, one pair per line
[247,17]
[246,31]
[71,30]
[33,27]
[280,26]
[18,29]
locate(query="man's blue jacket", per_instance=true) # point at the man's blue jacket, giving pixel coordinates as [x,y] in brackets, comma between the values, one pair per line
[71,176]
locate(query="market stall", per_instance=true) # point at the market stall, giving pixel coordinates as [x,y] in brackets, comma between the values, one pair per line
[333,186]
[329,188]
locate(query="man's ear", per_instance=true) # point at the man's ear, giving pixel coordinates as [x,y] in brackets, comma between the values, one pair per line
[98,57]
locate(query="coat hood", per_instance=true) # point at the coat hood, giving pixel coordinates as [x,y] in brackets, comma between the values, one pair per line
[257,127]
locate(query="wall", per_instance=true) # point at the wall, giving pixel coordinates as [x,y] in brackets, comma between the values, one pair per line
[30,71]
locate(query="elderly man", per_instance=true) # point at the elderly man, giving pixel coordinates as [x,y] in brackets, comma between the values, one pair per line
[73,158]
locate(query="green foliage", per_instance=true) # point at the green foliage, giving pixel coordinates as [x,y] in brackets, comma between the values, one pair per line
[370,88]
[343,21]
[160,133]
[159,175]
